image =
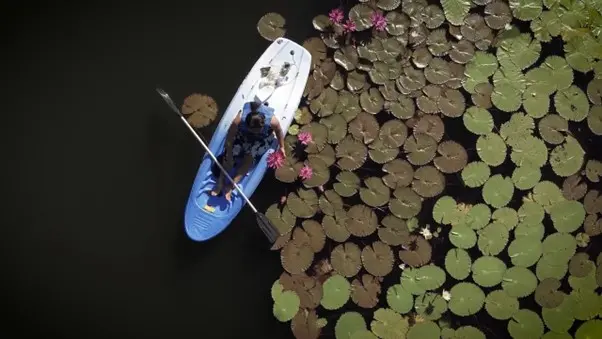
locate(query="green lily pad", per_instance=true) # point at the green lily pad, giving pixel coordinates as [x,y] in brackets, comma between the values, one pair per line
[286,305]
[478,120]
[536,230]
[462,236]
[491,149]
[567,159]
[479,69]
[488,271]
[546,194]
[519,282]
[506,216]
[466,299]
[498,191]
[525,251]
[431,306]
[571,103]
[475,174]
[400,300]
[348,324]
[526,177]
[531,212]
[567,216]
[529,151]
[589,330]
[493,239]
[468,332]
[559,319]
[335,292]
[444,210]
[387,324]
[552,128]
[525,324]
[424,330]
[478,217]
[560,246]
[430,277]
[458,263]
[500,305]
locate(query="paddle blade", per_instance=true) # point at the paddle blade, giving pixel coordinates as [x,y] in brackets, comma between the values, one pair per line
[267,228]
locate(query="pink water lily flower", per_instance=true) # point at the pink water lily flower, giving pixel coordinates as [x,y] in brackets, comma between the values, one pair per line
[349,26]
[275,160]
[379,21]
[305,138]
[336,15]
[306,172]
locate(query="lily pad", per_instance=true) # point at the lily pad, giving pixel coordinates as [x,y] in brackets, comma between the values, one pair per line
[525,324]
[455,10]
[372,101]
[347,185]
[200,110]
[399,173]
[378,259]
[475,174]
[462,236]
[348,324]
[336,292]
[458,263]
[286,305]
[500,305]
[351,153]
[567,216]
[426,330]
[365,292]
[493,238]
[466,299]
[334,228]
[375,193]
[430,306]
[498,191]
[567,159]
[395,231]
[364,127]
[399,300]
[478,120]
[552,128]
[346,259]
[488,271]
[417,254]
[387,324]
[571,103]
[393,133]
[547,294]
[421,148]
[453,157]
[361,220]
[525,251]
[405,203]
[428,182]
[519,282]
[271,27]
[491,149]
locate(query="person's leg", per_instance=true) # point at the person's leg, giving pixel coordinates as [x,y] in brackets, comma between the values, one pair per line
[240,172]
[227,164]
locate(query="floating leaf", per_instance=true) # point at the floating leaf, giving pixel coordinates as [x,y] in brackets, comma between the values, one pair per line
[571,103]
[271,27]
[478,70]
[466,299]
[347,185]
[559,246]
[431,125]
[593,171]
[417,254]
[351,153]
[478,120]
[372,101]
[428,182]
[302,204]
[286,305]
[399,173]
[547,294]
[559,319]
[296,257]
[498,191]
[399,300]
[594,119]
[200,110]
[525,324]
[462,237]
[526,177]
[319,134]
[346,57]
[546,194]
[431,306]
[426,330]
[573,188]
[365,292]
[316,234]
[336,292]
[552,128]
[475,174]
[525,251]
[593,202]
[458,263]
[479,216]
[455,10]
[529,151]
[519,282]
[430,277]
[335,228]
[592,225]
[491,149]
[395,231]
[421,149]
[445,210]
[346,259]
[283,221]
[393,133]
[567,216]
[405,203]
[589,330]
[306,325]
[493,238]
[337,128]
[488,271]
[375,193]
[453,157]
[348,324]
[389,325]
[361,15]
[378,259]
[500,305]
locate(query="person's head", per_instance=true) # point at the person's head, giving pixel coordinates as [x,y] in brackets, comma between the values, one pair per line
[255,120]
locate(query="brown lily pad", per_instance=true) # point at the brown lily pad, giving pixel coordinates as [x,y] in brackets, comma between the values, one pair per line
[378,259]
[364,127]
[428,182]
[334,227]
[593,202]
[405,203]
[296,257]
[579,265]
[574,188]
[420,148]
[317,49]
[365,293]
[437,42]
[547,294]
[593,170]
[431,125]
[394,231]
[388,91]
[309,289]
[462,51]
[453,157]
[404,108]
[316,235]
[438,71]
[498,14]
[399,173]
[372,101]
[421,57]
[482,95]
[271,26]
[592,225]
[474,28]
[200,110]
[393,133]
[346,57]
[361,220]
[346,259]
[305,325]
[452,103]
[417,253]
[411,80]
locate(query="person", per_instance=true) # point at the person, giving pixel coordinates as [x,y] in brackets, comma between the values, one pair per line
[250,135]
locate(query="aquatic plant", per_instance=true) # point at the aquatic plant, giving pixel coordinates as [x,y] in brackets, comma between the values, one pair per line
[200,110]
[275,160]
[404,232]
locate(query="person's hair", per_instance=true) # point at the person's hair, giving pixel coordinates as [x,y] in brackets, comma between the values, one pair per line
[255,119]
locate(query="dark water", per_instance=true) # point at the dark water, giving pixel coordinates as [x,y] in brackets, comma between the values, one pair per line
[99,171]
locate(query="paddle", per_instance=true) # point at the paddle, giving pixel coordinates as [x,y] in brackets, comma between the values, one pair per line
[262,221]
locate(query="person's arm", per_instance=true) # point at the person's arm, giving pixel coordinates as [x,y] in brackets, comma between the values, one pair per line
[279,134]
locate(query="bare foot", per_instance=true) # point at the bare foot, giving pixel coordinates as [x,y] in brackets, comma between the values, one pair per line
[228,194]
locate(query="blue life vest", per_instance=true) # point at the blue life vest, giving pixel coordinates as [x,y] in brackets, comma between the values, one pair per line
[267,113]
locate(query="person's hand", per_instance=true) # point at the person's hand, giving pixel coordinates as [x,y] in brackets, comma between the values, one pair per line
[282,151]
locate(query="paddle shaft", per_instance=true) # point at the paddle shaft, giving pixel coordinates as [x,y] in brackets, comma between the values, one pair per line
[173,107]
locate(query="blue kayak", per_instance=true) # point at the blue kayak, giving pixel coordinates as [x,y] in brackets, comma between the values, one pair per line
[279,77]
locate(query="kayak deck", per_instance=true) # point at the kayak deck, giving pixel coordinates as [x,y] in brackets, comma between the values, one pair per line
[206,216]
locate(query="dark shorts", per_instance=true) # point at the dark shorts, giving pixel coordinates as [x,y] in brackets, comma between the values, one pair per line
[243,145]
